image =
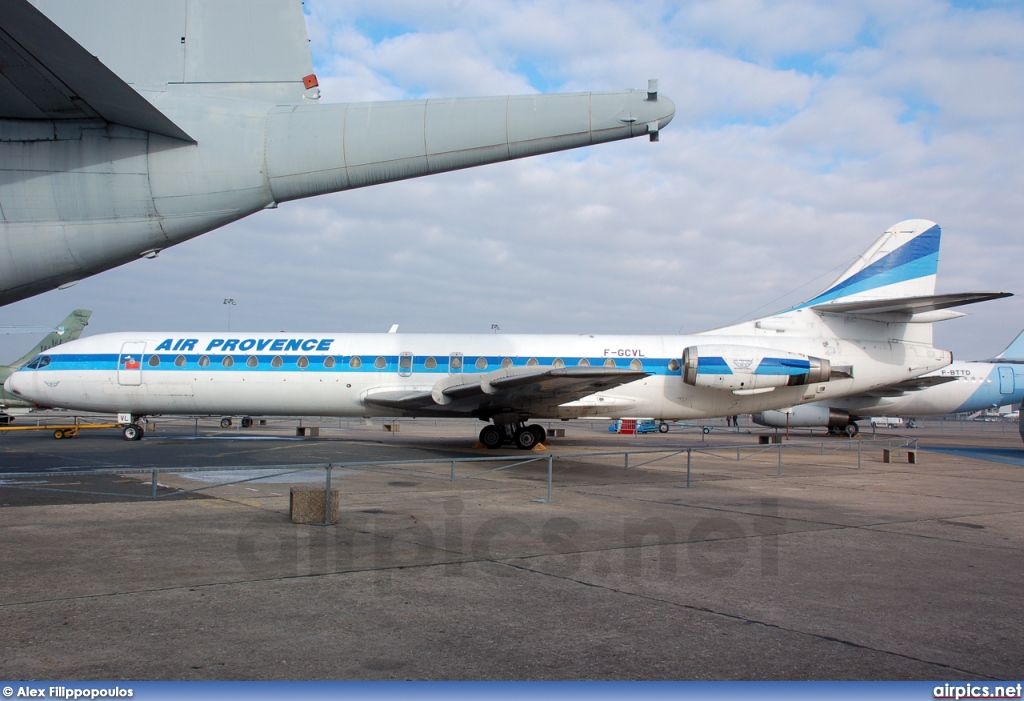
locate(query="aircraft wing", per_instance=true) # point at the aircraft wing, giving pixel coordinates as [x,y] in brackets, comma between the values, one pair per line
[909,305]
[527,390]
[47,75]
[915,384]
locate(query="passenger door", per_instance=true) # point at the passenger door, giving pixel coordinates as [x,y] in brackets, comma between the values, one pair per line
[129,364]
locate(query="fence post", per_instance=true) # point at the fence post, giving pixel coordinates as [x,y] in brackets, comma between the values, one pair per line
[452,477]
[625,461]
[858,455]
[154,484]
[779,473]
[689,454]
[327,497]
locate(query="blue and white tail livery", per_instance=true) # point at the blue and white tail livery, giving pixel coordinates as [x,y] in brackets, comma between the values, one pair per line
[869,330]
[902,263]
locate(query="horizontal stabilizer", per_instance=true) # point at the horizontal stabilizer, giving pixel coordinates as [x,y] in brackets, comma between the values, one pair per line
[47,75]
[908,305]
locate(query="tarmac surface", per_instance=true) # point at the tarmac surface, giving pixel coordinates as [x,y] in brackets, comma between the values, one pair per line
[830,571]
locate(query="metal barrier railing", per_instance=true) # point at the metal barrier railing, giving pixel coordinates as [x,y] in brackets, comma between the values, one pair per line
[648,456]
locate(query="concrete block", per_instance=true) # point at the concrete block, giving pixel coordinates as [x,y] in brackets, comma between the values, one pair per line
[306,505]
[556,433]
[309,431]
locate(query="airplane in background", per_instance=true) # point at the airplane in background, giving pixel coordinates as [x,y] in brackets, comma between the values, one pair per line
[975,385]
[128,126]
[872,328]
[68,330]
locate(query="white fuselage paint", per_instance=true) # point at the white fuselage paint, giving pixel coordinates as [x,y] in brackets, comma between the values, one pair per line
[90,373]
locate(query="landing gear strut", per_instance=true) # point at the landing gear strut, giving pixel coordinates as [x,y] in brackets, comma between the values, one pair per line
[522,436]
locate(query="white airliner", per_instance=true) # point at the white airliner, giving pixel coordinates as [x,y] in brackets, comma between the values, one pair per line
[974,385]
[871,328]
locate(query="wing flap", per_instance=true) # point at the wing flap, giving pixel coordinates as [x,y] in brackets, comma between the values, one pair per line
[524,390]
[45,74]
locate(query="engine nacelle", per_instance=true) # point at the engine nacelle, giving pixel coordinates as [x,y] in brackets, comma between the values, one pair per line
[804,416]
[747,369]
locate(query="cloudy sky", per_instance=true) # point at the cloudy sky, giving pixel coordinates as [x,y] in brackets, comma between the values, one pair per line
[803,130]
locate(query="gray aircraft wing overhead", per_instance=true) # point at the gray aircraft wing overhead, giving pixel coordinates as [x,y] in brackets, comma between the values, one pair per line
[527,390]
[127,126]
[47,75]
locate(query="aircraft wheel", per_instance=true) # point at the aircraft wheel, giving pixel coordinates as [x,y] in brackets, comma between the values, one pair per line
[225,423]
[491,436]
[58,434]
[852,429]
[246,422]
[538,432]
[525,438]
[707,430]
[663,427]
[131,432]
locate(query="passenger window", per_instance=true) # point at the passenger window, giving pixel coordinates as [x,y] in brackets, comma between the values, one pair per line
[303,362]
[355,362]
[276,361]
[204,361]
[380,363]
[154,361]
[506,363]
[430,363]
[405,362]
[228,361]
[481,363]
[584,363]
[329,362]
[179,362]
[673,365]
[636,364]
[252,361]
[532,362]
[558,363]
[609,363]
[455,362]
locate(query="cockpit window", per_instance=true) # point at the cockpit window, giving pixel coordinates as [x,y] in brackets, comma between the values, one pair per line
[39,362]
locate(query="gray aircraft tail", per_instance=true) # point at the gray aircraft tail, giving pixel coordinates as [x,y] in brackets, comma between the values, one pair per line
[68,330]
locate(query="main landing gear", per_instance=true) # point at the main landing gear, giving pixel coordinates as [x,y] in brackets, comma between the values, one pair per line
[522,436]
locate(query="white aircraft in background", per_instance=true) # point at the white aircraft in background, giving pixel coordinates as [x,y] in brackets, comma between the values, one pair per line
[127,126]
[870,329]
[974,385]
[67,330]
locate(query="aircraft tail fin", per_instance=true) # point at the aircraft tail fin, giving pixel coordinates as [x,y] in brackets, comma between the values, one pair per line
[249,49]
[903,262]
[1014,351]
[68,330]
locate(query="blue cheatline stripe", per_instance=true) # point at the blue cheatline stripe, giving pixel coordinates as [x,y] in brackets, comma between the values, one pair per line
[342,363]
[917,258]
[713,365]
[783,366]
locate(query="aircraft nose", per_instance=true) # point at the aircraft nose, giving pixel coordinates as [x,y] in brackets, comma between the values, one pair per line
[9,386]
